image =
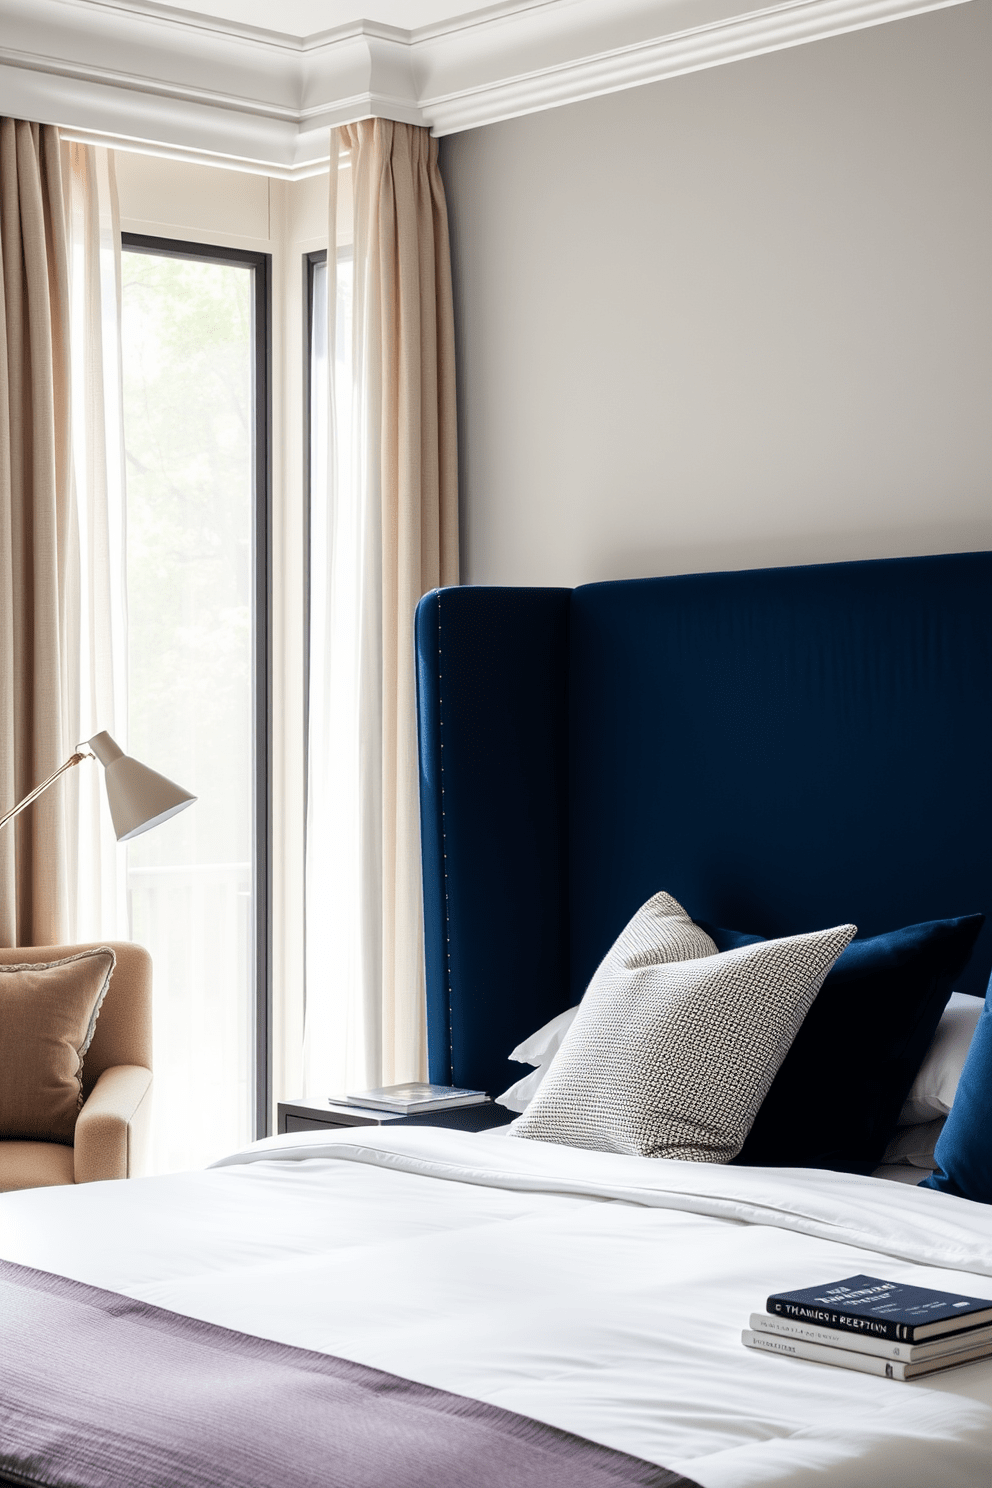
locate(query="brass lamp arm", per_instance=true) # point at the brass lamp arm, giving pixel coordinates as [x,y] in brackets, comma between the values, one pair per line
[74,759]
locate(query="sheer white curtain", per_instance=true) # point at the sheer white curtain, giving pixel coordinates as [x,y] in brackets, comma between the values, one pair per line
[96,618]
[383,532]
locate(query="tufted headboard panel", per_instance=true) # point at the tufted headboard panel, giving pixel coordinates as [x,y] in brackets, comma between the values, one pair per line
[782,749]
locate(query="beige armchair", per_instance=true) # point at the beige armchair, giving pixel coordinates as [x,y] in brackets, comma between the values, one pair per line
[117,1076]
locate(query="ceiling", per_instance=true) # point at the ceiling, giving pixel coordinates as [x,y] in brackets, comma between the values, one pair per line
[214,81]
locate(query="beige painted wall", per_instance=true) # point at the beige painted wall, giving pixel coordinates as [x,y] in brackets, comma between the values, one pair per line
[742,317]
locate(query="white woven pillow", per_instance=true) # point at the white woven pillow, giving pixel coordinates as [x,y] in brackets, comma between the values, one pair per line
[662,929]
[672,1058]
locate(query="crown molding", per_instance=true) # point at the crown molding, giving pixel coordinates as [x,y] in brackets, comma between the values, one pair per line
[710,44]
[198,21]
[131,73]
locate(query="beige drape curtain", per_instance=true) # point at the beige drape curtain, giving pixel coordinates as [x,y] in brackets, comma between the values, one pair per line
[62,641]
[390,533]
[35,566]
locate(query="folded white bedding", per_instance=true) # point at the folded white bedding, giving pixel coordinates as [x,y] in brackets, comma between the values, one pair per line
[603,1294]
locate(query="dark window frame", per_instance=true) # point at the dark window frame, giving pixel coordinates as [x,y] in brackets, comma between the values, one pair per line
[261,330]
[310,262]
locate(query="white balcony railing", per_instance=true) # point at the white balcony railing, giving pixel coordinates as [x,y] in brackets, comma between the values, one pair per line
[195,919]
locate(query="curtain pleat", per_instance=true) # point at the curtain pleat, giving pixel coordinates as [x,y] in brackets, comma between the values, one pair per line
[391,534]
[35,555]
[62,620]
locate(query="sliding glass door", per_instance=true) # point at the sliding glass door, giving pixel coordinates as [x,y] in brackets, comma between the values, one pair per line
[195,334]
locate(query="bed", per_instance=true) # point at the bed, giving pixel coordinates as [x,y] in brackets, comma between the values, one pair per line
[783,751]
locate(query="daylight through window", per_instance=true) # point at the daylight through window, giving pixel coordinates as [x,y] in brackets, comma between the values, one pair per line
[190,438]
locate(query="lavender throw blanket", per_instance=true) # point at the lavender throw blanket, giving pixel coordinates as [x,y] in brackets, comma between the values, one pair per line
[99,1391]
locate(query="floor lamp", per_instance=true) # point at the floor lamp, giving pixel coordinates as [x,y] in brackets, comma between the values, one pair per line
[139,798]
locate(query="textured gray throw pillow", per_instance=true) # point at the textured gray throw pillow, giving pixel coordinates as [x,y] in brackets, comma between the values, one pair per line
[670,1056]
[660,931]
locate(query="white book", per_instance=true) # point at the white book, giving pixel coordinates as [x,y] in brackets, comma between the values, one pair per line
[882,1348]
[417,1095]
[842,1358]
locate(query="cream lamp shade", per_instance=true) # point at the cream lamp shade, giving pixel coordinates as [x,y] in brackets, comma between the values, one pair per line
[139,798]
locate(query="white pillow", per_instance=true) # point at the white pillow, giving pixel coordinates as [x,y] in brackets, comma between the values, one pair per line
[892,1172]
[539,1049]
[913,1145]
[933,1090]
[543,1045]
[671,1057]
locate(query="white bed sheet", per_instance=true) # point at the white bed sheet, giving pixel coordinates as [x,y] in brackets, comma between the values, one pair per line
[602,1294]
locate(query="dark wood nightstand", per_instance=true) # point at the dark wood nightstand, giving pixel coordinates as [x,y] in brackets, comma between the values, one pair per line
[299,1115]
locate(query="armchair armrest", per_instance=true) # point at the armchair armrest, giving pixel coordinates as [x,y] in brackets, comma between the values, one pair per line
[111,1125]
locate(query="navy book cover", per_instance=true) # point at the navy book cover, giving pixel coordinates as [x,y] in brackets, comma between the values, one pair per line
[882,1309]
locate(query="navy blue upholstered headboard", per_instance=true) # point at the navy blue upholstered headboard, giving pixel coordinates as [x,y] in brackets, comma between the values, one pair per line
[782,750]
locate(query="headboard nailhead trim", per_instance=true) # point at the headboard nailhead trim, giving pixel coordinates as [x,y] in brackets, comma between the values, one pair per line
[444,848]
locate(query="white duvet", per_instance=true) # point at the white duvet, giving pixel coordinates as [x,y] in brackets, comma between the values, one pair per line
[602,1294]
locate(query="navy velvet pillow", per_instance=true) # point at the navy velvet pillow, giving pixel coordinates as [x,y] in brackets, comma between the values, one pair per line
[963,1155]
[837,1097]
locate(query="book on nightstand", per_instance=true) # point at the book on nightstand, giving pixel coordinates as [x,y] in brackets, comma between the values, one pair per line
[416,1096]
[877,1327]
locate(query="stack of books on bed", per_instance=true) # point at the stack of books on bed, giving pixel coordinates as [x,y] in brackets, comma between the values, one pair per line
[879,1327]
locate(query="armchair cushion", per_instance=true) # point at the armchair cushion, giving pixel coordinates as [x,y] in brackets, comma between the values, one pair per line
[48,1012]
[34,1165]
